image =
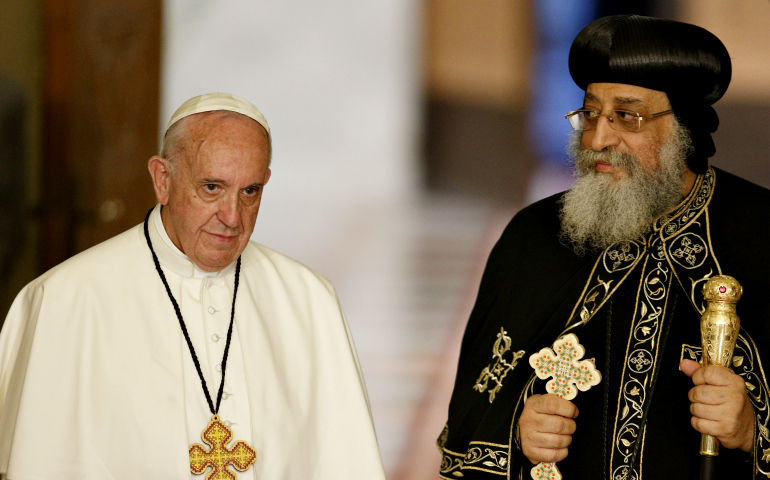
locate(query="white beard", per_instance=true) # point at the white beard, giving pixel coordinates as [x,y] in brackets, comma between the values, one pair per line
[601,210]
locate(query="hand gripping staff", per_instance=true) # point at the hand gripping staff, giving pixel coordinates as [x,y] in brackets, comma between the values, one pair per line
[719,328]
[569,375]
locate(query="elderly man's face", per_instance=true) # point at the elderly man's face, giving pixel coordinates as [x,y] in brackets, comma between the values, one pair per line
[625,179]
[644,144]
[212,200]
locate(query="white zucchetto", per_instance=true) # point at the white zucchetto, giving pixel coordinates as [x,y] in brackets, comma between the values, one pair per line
[212,102]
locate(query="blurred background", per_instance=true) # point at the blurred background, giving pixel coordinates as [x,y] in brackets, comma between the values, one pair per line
[406,135]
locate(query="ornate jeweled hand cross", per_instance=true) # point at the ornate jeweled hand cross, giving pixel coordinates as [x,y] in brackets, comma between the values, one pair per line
[569,376]
[219,457]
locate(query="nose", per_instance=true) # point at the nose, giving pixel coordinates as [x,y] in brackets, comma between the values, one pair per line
[604,136]
[229,211]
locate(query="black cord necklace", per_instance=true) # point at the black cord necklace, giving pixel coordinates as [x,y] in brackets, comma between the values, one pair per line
[216,434]
[214,410]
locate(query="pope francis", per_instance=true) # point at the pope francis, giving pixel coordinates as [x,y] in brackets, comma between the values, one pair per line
[180,348]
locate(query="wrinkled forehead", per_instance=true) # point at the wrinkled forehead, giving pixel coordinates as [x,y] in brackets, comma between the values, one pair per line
[227,140]
[187,135]
[626,96]
[199,126]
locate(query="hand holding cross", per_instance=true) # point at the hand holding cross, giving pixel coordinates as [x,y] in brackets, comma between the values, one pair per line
[568,376]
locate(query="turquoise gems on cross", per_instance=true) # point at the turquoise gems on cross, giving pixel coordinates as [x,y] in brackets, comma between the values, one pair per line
[562,364]
[569,374]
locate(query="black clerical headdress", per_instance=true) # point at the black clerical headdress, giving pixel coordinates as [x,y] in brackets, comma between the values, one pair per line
[685,61]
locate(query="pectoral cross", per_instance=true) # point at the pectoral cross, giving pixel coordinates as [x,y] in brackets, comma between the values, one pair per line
[568,376]
[219,457]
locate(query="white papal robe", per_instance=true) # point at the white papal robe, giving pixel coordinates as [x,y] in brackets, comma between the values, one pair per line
[97,381]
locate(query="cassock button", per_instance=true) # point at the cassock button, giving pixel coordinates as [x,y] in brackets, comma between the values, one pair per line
[215,337]
[218,368]
[212,310]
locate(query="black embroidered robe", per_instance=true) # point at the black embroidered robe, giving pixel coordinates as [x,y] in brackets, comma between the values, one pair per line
[635,308]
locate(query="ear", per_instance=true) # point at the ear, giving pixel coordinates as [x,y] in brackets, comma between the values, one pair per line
[161,178]
[267,176]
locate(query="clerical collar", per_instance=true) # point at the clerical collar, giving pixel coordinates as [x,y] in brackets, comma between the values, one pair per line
[171,257]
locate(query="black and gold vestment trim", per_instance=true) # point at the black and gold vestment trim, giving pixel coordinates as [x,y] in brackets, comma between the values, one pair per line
[483,456]
[677,251]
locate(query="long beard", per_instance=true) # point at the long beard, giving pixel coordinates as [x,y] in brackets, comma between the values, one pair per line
[601,210]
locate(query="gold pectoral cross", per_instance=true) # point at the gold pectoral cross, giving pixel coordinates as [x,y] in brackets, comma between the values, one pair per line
[219,457]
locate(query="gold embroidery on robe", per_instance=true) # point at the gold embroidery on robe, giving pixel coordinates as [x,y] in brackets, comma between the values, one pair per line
[642,352]
[499,369]
[680,247]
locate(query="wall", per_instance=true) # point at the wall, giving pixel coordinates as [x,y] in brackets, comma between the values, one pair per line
[21,45]
[478,59]
[743,146]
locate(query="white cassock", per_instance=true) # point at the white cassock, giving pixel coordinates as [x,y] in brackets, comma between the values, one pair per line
[97,381]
